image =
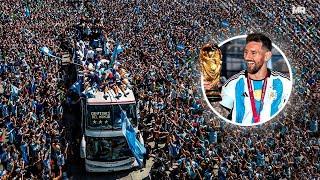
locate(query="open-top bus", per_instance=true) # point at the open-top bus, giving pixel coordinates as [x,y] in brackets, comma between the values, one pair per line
[103,144]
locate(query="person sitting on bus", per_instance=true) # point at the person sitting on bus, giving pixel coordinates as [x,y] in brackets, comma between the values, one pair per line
[120,84]
[121,78]
[123,75]
[113,85]
[104,84]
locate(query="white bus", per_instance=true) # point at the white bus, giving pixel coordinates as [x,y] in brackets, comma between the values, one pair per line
[103,144]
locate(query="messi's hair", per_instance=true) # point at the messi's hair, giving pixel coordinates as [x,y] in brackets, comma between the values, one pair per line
[258,37]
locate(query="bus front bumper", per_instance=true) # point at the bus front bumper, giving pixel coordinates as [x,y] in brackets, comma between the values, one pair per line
[96,166]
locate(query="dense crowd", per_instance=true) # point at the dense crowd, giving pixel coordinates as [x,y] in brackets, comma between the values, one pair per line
[161,42]
[33,137]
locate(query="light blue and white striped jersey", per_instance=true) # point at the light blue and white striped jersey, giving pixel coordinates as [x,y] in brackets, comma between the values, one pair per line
[235,96]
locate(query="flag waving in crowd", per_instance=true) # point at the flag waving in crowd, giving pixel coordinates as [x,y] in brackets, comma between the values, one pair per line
[117,50]
[135,145]
[27,12]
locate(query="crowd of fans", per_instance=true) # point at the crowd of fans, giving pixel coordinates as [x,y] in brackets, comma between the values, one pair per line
[33,137]
[161,42]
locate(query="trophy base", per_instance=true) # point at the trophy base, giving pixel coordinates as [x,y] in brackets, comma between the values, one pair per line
[213,95]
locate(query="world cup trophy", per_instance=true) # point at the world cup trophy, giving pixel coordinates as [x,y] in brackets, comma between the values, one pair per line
[210,60]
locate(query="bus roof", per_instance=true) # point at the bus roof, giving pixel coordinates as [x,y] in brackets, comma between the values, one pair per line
[100,100]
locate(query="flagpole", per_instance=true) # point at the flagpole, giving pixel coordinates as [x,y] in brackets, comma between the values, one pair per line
[120,107]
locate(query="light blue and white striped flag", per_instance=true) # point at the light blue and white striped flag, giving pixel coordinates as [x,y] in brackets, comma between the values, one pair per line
[135,145]
[45,50]
[117,50]
[27,12]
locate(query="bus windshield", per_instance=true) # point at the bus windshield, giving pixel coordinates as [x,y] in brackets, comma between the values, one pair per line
[107,149]
[109,116]
[130,110]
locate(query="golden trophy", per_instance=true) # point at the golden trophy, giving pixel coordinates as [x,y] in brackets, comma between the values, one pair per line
[211,62]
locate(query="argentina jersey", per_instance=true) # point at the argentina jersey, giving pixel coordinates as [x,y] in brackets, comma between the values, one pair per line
[235,96]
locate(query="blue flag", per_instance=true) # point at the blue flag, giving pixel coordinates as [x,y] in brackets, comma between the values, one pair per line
[260,159]
[5,111]
[225,23]
[180,47]
[14,91]
[27,12]
[33,86]
[76,87]
[314,125]
[137,9]
[135,145]
[24,151]
[117,50]
[46,51]
[89,93]
[11,132]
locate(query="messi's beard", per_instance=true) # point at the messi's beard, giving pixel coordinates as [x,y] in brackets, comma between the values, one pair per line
[254,69]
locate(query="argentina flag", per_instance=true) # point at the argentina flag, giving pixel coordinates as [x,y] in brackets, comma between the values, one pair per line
[225,23]
[27,12]
[46,51]
[76,87]
[117,50]
[14,91]
[180,47]
[135,145]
